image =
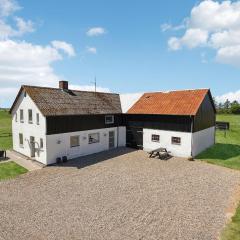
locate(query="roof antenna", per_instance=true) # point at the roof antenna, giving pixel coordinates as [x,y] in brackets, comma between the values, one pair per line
[95,84]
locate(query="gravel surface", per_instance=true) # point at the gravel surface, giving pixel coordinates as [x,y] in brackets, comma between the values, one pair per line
[126,196]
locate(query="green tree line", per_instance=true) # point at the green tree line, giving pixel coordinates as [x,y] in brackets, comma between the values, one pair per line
[227,107]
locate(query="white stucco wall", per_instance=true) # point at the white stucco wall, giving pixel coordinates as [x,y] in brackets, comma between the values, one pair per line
[203,140]
[59,144]
[183,150]
[27,129]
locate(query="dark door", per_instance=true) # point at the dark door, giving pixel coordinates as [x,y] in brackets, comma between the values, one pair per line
[32,146]
[111,139]
[135,137]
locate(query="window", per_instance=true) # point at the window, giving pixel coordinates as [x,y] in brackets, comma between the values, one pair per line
[15,117]
[74,141]
[176,140]
[93,138]
[109,119]
[37,118]
[30,115]
[41,143]
[155,138]
[21,115]
[21,139]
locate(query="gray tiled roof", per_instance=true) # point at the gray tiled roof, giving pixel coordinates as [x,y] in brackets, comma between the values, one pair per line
[56,102]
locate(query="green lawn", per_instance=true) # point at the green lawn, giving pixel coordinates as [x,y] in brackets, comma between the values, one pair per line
[10,170]
[226,152]
[232,231]
[5,130]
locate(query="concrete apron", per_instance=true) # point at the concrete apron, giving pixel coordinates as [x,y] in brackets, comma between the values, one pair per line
[25,162]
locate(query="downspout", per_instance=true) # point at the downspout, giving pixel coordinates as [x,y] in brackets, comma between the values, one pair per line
[191,117]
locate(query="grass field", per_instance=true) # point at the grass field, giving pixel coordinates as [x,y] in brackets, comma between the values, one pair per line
[10,170]
[5,130]
[226,152]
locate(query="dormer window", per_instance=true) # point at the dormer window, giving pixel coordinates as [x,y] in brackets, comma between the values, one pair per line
[15,117]
[109,119]
[30,116]
[21,116]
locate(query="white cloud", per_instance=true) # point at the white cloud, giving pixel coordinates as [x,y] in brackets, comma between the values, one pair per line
[24,26]
[7,7]
[88,88]
[96,31]
[26,63]
[167,27]
[66,47]
[192,38]
[92,50]
[128,99]
[215,25]
[231,96]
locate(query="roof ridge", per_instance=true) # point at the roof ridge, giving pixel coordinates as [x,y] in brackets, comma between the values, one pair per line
[179,90]
[76,90]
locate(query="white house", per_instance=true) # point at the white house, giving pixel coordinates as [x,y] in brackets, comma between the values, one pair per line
[52,123]
[49,123]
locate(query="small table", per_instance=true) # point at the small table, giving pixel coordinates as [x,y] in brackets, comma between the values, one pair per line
[162,153]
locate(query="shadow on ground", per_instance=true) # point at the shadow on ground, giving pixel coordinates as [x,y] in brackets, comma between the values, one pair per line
[221,151]
[88,160]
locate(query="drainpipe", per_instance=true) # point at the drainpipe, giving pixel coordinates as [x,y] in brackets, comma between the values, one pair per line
[191,117]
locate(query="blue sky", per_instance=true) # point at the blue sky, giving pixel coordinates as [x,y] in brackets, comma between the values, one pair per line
[132,54]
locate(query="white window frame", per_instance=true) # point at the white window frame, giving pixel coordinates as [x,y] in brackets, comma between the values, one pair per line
[153,138]
[72,145]
[176,142]
[111,121]
[30,120]
[37,119]
[20,138]
[92,140]
[21,116]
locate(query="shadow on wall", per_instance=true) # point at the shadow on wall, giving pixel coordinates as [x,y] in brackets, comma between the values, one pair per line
[88,160]
[221,151]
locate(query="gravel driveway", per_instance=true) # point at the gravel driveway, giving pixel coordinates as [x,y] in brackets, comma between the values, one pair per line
[126,196]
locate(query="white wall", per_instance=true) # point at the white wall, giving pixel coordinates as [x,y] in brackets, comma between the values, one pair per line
[203,140]
[183,150]
[27,129]
[59,144]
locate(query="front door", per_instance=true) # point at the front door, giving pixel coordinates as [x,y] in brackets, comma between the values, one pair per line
[111,139]
[32,146]
[135,137]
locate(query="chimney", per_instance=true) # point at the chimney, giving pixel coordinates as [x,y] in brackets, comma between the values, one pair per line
[63,85]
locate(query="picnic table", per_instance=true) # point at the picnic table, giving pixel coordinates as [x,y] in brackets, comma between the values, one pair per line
[162,153]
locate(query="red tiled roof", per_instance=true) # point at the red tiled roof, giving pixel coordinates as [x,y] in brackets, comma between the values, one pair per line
[185,102]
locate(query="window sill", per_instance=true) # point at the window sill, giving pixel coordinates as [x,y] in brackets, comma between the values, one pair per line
[21,121]
[30,122]
[21,146]
[155,141]
[75,146]
[92,142]
[109,123]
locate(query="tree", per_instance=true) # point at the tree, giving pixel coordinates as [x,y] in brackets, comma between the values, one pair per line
[235,107]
